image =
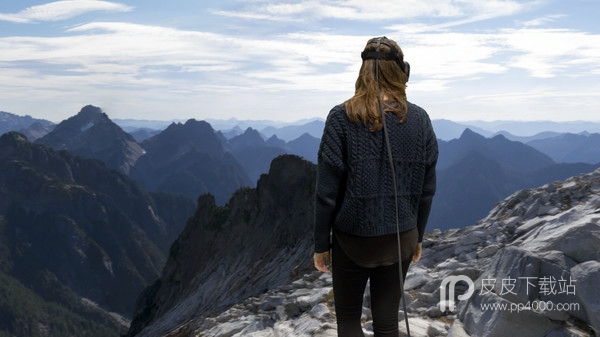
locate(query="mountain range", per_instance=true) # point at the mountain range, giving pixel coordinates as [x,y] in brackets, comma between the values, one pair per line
[192,158]
[523,131]
[475,172]
[89,215]
[188,158]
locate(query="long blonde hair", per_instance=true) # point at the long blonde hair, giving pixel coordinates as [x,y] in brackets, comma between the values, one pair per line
[363,107]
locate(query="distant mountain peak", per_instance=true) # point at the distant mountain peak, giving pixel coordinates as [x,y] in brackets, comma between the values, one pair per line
[92,134]
[190,127]
[251,131]
[196,123]
[275,141]
[469,134]
[190,132]
[252,136]
[190,159]
[305,136]
[90,111]
[87,117]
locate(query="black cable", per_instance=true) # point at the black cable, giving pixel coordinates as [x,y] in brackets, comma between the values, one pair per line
[392,167]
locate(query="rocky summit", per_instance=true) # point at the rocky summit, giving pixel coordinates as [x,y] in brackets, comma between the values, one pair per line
[530,268]
[91,134]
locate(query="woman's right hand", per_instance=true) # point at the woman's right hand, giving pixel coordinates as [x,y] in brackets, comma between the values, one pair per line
[322,260]
[417,253]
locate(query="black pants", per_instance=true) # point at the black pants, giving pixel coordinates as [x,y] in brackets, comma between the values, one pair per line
[349,283]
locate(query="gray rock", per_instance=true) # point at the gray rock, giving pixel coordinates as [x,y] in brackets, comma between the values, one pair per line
[281,313]
[307,301]
[427,298]
[496,322]
[462,249]
[416,278]
[487,251]
[417,304]
[469,255]
[422,327]
[577,240]
[586,276]
[433,331]
[306,325]
[366,314]
[457,330]
[256,325]
[472,238]
[292,309]
[556,315]
[434,312]
[227,329]
[567,332]
[509,266]
[320,311]
[270,303]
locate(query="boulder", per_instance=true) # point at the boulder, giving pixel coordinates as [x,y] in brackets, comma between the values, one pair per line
[586,276]
[490,315]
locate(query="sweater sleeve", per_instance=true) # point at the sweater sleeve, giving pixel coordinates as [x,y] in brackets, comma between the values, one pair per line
[429,183]
[330,182]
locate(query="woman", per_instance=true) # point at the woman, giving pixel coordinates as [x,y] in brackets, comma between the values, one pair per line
[357,214]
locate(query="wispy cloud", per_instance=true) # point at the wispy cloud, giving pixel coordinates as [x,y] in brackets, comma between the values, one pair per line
[547,53]
[291,61]
[62,10]
[542,20]
[375,10]
[142,51]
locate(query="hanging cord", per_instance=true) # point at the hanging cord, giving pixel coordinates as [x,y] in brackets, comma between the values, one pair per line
[392,167]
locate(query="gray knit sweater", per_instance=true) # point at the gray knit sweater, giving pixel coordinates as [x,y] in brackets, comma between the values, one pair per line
[354,191]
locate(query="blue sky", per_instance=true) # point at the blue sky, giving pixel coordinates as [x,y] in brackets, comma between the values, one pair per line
[291,60]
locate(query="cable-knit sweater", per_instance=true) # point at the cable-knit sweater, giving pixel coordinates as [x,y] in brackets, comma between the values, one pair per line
[354,191]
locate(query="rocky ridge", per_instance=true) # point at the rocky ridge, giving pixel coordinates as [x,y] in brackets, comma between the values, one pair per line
[75,234]
[256,242]
[529,240]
